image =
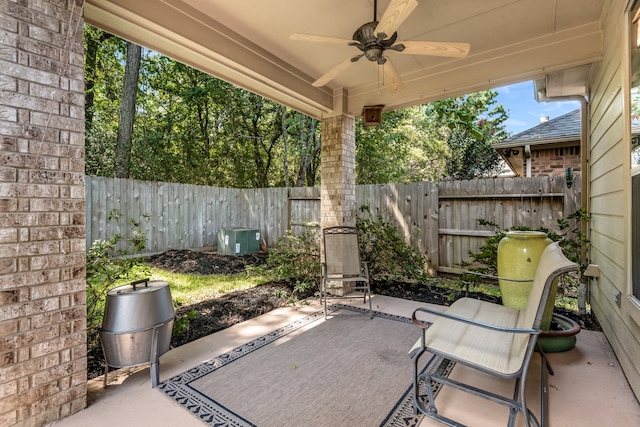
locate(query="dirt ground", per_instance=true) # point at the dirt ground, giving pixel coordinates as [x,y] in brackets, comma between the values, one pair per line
[229,309]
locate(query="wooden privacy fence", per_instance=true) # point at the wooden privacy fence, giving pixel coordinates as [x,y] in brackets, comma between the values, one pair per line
[439,219]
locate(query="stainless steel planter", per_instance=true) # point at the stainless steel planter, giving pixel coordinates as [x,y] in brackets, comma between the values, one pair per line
[137,325]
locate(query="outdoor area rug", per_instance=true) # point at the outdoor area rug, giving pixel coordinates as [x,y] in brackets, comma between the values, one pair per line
[347,371]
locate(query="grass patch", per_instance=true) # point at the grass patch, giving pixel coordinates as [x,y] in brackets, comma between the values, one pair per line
[189,289]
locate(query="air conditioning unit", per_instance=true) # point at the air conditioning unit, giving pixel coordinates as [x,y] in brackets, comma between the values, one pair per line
[238,241]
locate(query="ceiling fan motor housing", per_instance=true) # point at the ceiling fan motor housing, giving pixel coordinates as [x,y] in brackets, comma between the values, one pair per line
[372,45]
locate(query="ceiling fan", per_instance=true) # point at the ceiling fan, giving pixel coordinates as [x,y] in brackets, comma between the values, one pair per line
[375,37]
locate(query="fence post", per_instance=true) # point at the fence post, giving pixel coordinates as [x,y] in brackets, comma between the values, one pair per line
[431,227]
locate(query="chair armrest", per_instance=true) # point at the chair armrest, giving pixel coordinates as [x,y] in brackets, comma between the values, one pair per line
[423,325]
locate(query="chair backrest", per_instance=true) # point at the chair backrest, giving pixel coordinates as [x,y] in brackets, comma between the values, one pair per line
[341,251]
[553,263]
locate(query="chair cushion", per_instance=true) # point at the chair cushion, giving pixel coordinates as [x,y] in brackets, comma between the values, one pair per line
[496,352]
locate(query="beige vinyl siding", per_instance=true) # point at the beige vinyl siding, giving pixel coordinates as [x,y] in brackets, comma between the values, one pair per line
[609,195]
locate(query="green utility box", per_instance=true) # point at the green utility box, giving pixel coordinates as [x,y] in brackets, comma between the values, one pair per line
[238,241]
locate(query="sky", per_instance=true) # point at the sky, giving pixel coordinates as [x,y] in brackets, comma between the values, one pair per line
[524,111]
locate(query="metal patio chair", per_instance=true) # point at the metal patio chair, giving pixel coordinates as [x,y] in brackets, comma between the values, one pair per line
[491,338]
[343,273]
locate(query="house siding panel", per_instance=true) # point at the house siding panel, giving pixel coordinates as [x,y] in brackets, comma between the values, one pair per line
[609,195]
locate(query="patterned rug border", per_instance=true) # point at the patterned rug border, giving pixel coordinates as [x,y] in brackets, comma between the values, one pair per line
[212,413]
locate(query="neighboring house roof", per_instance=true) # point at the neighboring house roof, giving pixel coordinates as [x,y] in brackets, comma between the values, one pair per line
[560,129]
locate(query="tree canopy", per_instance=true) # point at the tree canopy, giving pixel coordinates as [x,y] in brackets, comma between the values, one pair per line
[190,127]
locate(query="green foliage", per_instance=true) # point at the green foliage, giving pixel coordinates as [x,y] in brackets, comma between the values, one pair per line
[572,238]
[451,138]
[299,289]
[109,262]
[572,241]
[280,293]
[297,258]
[403,148]
[191,127]
[182,322]
[486,259]
[470,124]
[386,253]
[389,258]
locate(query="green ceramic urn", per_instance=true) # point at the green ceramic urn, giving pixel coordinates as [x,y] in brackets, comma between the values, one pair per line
[518,255]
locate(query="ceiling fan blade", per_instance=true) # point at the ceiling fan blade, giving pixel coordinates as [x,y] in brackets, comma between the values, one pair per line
[394,16]
[449,49]
[317,38]
[332,73]
[388,74]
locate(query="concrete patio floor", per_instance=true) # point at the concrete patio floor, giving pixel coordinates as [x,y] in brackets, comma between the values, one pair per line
[588,388]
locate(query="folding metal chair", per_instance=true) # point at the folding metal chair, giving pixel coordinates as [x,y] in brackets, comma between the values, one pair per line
[343,273]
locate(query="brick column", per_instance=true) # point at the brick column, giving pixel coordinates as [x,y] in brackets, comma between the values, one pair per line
[43,368]
[338,183]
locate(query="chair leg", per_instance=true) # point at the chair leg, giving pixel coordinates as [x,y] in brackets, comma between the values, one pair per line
[544,392]
[544,359]
[324,296]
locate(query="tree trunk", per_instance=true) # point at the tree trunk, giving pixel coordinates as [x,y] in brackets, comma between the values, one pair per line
[127,110]
[311,149]
[93,45]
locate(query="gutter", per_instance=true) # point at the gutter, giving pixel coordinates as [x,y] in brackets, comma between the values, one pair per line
[546,141]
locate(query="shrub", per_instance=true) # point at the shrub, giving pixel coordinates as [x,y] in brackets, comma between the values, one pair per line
[108,262]
[389,257]
[297,259]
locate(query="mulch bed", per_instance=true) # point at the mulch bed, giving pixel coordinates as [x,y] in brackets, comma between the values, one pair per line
[235,307]
[205,262]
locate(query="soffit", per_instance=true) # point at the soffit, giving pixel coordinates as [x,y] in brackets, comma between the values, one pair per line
[247,43]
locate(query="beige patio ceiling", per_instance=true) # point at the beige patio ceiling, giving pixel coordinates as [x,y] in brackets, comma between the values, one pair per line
[246,42]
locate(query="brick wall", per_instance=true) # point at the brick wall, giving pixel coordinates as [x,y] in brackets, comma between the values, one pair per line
[554,161]
[338,183]
[42,214]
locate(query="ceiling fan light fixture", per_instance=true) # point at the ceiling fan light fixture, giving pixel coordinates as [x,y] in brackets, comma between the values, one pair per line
[374,54]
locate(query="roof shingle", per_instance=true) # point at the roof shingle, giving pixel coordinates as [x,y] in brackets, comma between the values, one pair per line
[566,126]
